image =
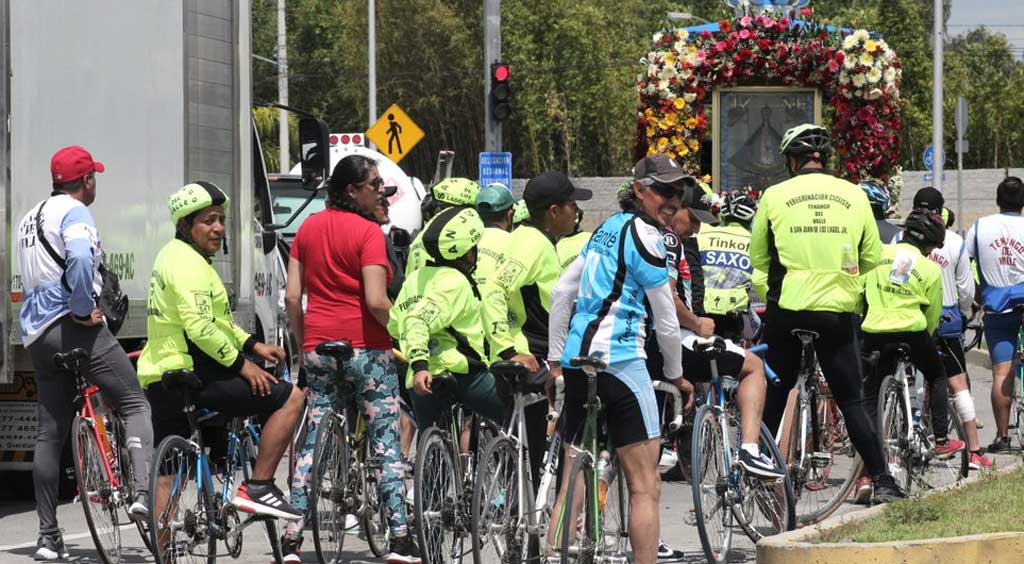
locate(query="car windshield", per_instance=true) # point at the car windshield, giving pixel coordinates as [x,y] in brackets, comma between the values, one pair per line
[287,197]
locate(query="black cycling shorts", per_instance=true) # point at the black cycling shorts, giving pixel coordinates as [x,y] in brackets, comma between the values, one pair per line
[697,365]
[225,392]
[625,418]
[953,358]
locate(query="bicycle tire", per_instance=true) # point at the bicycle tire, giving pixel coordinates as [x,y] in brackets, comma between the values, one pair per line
[176,459]
[615,517]
[497,535]
[585,548]
[714,520]
[99,501]
[374,519]
[327,504]
[773,502]
[437,500]
[1017,409]
[893,423]
[811,478]
[933,472]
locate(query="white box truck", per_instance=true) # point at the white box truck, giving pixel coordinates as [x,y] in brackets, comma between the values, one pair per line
[160,92]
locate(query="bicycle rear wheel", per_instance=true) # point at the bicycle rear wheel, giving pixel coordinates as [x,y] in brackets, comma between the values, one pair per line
[894,426]
[180,515]
[710,482]
[499,537]
[1017,411]
[823,466]
[99,498]
[581,526]
[438,502]
[375,512]
[933,472]
[768,507]
[328,503]
[615,517]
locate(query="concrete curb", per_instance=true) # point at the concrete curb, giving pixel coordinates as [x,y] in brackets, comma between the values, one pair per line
[795,546]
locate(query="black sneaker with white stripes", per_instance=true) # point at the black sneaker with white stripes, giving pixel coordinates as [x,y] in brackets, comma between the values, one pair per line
[264,498]
[760,466]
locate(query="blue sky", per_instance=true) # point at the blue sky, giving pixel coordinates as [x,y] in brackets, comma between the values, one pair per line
[1003,16]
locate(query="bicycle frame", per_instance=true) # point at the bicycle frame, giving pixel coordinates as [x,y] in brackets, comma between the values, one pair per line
[516,431]
[99,429]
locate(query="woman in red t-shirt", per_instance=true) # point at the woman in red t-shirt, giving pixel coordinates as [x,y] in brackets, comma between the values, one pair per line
[339,261]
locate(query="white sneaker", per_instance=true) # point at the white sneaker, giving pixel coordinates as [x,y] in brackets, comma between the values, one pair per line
[668,459]
[351,522]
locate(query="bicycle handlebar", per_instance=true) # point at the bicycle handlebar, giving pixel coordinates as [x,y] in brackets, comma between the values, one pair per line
[677,403]
[760,351]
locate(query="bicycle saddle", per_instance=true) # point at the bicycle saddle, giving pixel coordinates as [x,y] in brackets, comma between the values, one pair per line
[182,380]
[443,383]
[710,345]
[72,360]
[804,335]
[516,375]
[341,351]
[589,362]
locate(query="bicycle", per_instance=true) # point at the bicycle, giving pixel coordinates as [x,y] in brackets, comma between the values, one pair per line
[822,462]
[186,523]
[103,469]
[600,533]
[722,492]
[905,428]
[346,476]
[975,330]
[1017,395]
[443,479]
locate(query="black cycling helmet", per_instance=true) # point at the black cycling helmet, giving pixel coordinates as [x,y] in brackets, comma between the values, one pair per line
[739,206]
[924,228]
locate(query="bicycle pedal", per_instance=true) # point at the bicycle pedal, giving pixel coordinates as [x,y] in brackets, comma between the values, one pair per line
[820,459]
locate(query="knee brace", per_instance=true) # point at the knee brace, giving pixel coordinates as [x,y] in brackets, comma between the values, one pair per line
[964,405]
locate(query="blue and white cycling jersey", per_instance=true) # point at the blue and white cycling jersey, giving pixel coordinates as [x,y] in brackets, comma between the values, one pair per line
[50,292]
[623,260]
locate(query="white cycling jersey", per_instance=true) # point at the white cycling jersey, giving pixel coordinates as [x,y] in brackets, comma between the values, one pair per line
[996,243]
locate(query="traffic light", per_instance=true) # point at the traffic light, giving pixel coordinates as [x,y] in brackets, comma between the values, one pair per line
[501,91]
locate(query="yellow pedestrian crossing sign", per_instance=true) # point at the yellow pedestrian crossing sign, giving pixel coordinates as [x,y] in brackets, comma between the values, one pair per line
[395,134]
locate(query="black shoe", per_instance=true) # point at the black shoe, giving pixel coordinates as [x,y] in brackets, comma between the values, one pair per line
[1001,444]
[760,466]
[885,490]
[404,550]
[668,554]
[290,550]
[265,499]
[139,509]
[51,547]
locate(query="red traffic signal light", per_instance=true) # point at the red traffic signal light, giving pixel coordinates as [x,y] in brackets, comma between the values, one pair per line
[501,91]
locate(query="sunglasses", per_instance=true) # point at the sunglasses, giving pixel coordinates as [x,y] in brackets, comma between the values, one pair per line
[376,182]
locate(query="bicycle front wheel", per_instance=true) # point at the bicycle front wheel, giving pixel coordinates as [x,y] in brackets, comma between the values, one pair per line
[1017,411]
[499,535]
[934,472]
[438,503]
[99,498]
[768,506]
[328,499]
[375,511]
[710,482]
[894,426]
[181,514]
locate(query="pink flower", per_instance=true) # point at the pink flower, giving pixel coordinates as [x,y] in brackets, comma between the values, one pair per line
[784,24]
[705,35]
[720,47]
[745,21]
[744,34]
[833,66]
[766,22]
[806,12]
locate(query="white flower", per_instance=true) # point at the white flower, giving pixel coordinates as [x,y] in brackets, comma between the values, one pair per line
[844,78]
[651,89]
[682,35]
[663,87]
[850,42]
[862,35]
[874,94]
[669,71]
[859,80]
[867,60]
[890,75]
[874,75]
[689,97]
[657,38]
[686,74]
[849,63]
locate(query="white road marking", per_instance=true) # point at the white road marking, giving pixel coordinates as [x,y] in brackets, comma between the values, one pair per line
[67,538]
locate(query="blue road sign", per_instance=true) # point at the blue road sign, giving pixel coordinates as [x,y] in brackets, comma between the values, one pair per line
[496,167]
[929,158]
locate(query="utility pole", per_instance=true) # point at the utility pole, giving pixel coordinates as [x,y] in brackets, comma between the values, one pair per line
[492,54]
[938,40]
[372,41]
[282,88]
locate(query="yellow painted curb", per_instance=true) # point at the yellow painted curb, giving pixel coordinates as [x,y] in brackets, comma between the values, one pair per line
[793,547]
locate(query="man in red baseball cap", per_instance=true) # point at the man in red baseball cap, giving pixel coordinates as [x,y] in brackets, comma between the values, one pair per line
[60,257]
[74,163]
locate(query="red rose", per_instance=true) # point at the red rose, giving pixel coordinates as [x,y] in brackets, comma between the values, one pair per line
[833,66]
[705,35]
[784,24]
[720,47]
[806,12]
[764,44]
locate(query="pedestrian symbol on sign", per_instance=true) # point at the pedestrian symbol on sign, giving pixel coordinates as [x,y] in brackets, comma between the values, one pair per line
[394,134]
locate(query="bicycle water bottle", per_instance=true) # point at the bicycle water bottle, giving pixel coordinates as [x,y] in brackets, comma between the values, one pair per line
[604,471]
[916,397]
[850,263]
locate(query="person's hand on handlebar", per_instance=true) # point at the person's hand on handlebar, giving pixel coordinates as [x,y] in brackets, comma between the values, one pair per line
[705,327]
[259,380]
[528,361]
[422,381]
[269,352]
[688,391]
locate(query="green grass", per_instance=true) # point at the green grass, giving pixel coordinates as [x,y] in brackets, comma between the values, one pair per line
[993,504]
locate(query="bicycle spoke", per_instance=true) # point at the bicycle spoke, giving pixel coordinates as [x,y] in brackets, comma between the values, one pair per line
[100,500]
[180,519]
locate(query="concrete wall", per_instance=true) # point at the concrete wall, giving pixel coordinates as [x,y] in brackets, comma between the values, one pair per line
[979,193]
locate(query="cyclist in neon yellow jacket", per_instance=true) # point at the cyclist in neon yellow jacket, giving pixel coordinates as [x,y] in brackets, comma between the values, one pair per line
[904,305]
[570,246]
[190,327]
[729,275]
[450,192]
[437,322]
[814,235]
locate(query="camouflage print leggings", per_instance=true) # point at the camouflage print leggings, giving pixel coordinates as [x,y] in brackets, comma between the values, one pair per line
[372,372]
